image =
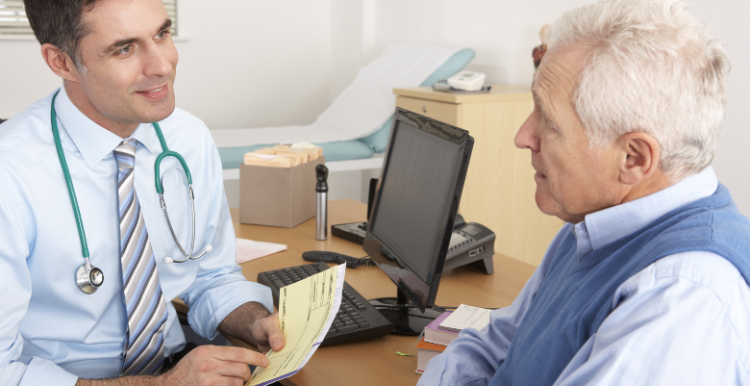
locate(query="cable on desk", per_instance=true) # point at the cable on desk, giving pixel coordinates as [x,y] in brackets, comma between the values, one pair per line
[332,257]
[436,308]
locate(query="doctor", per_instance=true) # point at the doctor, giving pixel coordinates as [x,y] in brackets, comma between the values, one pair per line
[115,321]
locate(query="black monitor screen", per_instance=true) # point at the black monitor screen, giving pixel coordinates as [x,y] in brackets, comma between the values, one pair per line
[416,202]
[415,197]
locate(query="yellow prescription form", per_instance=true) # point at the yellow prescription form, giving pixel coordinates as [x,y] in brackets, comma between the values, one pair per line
[306,311]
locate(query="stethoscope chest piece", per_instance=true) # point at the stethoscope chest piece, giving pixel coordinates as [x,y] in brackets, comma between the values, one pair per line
[89,278]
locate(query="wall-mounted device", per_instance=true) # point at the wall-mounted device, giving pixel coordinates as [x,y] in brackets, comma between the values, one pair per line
[467,80]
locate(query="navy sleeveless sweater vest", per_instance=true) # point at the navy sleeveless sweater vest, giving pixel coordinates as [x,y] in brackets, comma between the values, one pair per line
[576,296]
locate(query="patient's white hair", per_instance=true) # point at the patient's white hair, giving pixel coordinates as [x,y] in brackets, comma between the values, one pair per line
[650,67]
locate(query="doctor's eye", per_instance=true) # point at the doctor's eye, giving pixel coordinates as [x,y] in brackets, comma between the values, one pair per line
[163,34]
[125,51]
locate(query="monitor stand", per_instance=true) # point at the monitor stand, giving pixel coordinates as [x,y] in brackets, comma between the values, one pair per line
[406,321]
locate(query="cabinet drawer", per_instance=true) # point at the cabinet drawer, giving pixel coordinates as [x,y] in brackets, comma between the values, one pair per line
[444,112]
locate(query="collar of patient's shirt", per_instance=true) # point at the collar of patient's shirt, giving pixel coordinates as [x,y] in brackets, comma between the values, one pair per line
[93,141]
[605,226]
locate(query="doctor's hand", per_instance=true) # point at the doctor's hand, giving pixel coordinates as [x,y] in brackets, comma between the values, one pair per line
[267,334]
[214,365]
[252,323]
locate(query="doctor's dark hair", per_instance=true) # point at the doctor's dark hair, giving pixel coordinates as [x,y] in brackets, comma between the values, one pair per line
[60,23]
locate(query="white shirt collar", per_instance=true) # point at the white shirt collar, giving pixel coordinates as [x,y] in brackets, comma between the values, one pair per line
[93,141]
[605,226]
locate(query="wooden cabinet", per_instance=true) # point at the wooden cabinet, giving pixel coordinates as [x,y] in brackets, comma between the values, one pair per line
[499,189]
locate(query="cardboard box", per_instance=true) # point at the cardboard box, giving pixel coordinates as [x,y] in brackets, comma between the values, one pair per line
[283,197]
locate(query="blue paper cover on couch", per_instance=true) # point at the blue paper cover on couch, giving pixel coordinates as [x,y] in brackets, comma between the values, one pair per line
[364,147]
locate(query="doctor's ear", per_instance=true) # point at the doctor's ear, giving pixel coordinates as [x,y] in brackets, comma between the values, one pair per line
[59,62]
[640,157]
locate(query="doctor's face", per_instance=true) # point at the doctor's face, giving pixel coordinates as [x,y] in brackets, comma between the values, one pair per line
[572,179]
[130,63]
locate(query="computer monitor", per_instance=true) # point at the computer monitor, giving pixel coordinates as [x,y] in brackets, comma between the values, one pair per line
[415,205]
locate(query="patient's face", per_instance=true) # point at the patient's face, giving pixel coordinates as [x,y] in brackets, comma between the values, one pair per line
[130,63]
[572,179]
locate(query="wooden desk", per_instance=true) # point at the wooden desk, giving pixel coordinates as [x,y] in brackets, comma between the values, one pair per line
[375,361]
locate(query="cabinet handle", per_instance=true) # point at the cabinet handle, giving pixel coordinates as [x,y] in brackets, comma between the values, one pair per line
[424,109]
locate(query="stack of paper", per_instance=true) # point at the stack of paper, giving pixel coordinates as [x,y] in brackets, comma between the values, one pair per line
[466,317]
[250,250]
[444,330]
[436,335]
[284,156]
[425,352]
[433,341]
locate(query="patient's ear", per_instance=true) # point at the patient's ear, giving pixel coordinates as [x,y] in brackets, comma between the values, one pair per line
[640,157]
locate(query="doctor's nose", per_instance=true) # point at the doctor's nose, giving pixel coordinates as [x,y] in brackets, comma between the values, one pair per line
[160,61]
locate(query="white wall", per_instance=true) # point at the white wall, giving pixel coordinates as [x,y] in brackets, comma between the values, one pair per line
[503,33]
[269,63]
[265,63]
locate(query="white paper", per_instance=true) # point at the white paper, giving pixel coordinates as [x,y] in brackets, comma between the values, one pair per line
[250,250]
[466,317]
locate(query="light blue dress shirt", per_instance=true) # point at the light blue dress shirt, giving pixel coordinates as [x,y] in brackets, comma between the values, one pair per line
[50,331]
[684,320]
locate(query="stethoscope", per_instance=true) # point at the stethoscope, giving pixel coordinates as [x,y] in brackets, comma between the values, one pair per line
[88,277]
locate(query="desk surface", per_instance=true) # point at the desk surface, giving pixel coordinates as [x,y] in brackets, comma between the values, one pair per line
[375,361]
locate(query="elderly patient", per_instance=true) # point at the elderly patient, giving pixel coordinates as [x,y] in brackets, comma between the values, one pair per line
[648,283]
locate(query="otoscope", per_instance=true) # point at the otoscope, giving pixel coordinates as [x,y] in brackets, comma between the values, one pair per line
[321,209]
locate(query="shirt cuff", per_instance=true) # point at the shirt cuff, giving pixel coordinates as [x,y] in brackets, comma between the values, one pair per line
[43,372]
[215,304]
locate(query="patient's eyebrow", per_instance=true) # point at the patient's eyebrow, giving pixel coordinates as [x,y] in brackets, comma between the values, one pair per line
[539,104]
[124,42]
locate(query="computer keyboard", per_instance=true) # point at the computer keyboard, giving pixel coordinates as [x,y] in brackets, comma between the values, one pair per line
[356,320]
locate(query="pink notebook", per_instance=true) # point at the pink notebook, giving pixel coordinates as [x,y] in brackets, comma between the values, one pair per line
[436,335]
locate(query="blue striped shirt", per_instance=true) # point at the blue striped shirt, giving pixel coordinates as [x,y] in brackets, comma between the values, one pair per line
[684,320]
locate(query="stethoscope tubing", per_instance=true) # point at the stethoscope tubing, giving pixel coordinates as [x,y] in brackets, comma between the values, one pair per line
[83,279]
[69,183]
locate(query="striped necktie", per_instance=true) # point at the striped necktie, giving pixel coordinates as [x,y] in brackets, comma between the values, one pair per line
[144,341]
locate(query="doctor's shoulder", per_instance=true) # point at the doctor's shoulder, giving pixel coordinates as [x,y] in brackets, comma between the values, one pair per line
[25,131]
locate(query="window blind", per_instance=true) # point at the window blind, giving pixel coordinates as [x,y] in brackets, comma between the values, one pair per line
[13,20]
